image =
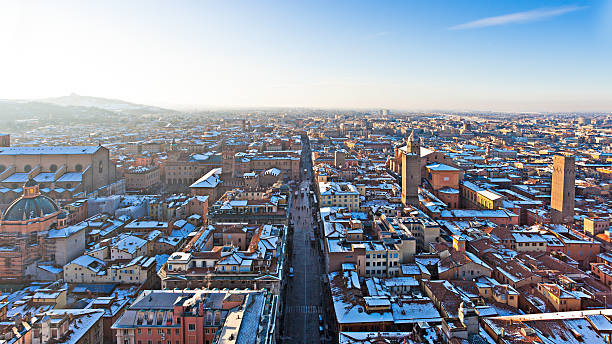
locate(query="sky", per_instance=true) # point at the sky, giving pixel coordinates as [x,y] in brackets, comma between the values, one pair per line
[405,55]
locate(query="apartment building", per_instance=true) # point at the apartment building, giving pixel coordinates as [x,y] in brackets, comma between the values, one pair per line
[196,317]
[334,194]
[87,269]
[229,256]
[255,207]
[474,196]
[142,178]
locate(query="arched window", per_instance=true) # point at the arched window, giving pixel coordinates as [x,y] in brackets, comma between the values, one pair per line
[53,168]
[78,167]
[100,166]
[27,168]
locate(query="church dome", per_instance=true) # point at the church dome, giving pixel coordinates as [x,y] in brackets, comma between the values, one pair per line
[31,205]
[30,208]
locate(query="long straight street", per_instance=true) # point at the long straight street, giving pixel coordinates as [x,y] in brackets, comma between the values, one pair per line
[304,301]
[304,291]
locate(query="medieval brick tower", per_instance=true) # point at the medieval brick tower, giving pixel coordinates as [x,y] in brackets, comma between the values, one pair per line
[411,171]
[563,189]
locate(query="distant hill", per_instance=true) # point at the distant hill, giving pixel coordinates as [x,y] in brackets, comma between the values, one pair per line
[11,110]
[114,105]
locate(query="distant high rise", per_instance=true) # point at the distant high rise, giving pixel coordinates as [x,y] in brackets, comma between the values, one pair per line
[563,189]
[411,171]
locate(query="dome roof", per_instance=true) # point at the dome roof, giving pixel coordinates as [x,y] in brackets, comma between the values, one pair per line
[30,208]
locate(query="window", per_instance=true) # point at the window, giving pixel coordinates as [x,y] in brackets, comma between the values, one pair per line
[191,327]
[27,168]
[53,168]
[78,167]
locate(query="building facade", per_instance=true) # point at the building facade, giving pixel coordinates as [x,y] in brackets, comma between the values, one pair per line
[62,172]
[195,317]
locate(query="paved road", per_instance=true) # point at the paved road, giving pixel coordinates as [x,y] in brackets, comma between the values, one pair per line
[303,304]
[304,294]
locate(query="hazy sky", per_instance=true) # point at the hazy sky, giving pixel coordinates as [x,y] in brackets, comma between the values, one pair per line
[487,55]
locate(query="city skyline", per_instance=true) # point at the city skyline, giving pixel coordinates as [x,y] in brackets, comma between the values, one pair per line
[519,56]
[313,172]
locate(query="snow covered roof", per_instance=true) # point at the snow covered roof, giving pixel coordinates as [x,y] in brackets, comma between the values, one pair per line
[66,231]
[130,244]
[441,167]
[49,150]
[89,262]
[209,180]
